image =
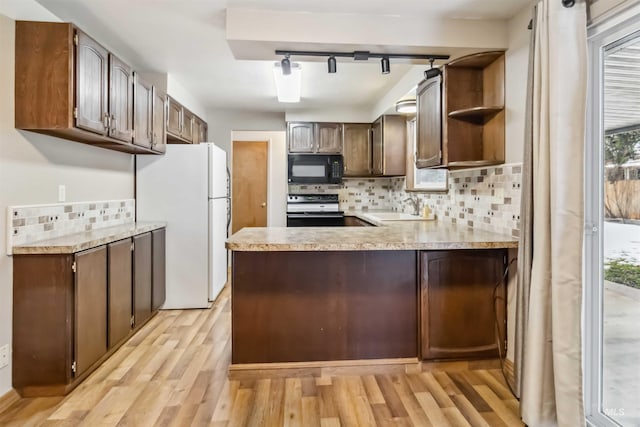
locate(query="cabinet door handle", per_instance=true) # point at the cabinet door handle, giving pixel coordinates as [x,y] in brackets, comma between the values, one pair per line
[113,122]
[105,121]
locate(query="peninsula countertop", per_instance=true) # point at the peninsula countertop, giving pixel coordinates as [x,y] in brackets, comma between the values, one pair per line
[390,235]
[77,242]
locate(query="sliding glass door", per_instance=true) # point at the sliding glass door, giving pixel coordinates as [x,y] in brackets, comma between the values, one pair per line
[612,215]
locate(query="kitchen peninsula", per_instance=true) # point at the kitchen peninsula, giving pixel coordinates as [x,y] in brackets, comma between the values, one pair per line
[405,289]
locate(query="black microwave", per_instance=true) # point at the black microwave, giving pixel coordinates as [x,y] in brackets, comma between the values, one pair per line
[315,168]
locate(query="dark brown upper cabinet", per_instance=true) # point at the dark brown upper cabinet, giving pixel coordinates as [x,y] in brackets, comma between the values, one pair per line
[174,118]
[203,131]
[389,145]
[306,137]
[199,130]
[328,138]
[159,129]
[356,147]
[120,100]
[142,112]
[69,86]
[429,123]
[301,138]
[183,127]
[92,83]
[470,114]
[187,125]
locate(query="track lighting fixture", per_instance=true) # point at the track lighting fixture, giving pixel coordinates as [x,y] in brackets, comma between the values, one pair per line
[286,65]
[431,72]
[386,67]
[331,64]
[360,55]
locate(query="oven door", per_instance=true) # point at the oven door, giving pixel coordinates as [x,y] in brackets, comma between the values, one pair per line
[315,219]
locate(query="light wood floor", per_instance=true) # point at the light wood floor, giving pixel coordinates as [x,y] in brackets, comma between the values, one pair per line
[174,372]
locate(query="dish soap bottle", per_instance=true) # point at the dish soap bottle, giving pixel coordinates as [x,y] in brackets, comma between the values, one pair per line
[427,213]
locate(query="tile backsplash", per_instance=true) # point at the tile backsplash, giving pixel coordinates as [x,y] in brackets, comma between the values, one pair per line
[358,194]
[483,198]
[26,224]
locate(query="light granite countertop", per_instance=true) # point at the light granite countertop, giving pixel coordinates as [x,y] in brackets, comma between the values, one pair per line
[388,235]
[77,242]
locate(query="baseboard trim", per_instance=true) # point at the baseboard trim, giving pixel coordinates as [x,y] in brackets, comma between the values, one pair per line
[8,399]
[322,364]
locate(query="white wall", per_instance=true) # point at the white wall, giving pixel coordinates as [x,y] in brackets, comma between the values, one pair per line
[180,94]
[598,8]
[228,125]
[346,115]
[223,122]
[517,65]
[276,171]
[31,168]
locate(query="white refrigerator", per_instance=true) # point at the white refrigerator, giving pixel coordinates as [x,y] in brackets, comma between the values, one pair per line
[188,188]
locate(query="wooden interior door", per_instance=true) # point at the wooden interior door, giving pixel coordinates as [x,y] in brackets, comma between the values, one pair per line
[249,185]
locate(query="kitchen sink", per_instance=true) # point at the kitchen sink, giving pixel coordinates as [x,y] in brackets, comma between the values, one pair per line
[393,216]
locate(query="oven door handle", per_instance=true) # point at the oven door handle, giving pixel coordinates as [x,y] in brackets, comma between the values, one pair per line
[301,215]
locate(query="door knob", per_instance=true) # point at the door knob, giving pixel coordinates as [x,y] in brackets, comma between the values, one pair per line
[264,204]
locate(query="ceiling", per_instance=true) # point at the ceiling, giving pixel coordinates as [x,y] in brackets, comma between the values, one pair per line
[187,39]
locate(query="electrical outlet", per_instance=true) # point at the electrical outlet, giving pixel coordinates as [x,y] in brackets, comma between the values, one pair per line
[62,193]
[4,356]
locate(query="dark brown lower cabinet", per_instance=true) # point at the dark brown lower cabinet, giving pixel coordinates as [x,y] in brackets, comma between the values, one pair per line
[120,298]
[142,281]
[43,322]
[72,311]
[459,308]
[90,307]
[159,268]
[314,306]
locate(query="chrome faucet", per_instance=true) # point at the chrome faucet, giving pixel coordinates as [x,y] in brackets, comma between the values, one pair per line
[415,202]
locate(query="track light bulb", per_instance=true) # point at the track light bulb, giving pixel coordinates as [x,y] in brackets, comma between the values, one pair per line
[386,67]
[331,64]
[431,72]
[286,65]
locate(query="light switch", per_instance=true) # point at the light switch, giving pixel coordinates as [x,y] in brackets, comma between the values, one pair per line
[62,193]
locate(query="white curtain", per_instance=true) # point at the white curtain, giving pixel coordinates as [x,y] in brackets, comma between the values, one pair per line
[551,371]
